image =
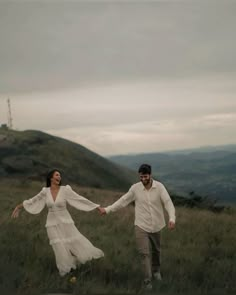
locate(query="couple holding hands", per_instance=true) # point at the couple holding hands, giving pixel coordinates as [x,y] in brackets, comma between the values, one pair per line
[71,248]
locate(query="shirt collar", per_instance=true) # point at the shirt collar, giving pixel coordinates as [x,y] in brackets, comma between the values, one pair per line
[154,185]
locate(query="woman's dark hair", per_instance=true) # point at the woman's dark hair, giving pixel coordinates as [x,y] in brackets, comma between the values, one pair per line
[50,175]
[145,169]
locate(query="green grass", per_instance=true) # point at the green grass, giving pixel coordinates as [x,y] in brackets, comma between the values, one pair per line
[198,257]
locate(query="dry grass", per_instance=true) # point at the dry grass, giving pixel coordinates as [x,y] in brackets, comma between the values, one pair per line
[198,257]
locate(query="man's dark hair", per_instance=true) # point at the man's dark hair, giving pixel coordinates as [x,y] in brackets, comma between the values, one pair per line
[145,169]
[50,175]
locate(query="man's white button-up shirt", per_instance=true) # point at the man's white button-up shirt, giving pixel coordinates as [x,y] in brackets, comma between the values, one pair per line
[149,205]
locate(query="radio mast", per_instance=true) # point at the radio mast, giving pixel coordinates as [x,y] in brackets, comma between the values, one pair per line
[9,117]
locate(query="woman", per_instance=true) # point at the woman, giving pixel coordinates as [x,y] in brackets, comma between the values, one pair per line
[69,245]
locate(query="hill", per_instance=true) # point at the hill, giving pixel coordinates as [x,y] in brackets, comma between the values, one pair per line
[198,257]
[207,171]
[203,149]
[31,154]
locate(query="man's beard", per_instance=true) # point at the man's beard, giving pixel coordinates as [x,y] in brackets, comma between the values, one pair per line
[146,181]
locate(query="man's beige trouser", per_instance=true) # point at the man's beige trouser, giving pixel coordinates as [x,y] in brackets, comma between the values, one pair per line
[148,246]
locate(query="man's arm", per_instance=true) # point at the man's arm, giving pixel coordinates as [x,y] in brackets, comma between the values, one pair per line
[120,203]
[168,204]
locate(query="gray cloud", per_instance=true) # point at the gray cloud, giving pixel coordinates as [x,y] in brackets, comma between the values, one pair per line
[125,117]
[52,45]
[115,75]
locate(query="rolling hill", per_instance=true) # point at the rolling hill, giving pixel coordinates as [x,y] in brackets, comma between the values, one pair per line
[207,171]
[31,154]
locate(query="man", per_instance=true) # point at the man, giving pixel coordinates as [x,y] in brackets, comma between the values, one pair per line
[150,197]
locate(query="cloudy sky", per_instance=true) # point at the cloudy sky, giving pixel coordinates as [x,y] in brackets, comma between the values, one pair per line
[121,76]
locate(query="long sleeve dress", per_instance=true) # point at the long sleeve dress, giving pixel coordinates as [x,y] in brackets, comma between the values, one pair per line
[70,247]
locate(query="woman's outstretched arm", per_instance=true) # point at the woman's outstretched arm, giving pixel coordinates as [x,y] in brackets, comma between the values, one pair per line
[34,205]
[78,201]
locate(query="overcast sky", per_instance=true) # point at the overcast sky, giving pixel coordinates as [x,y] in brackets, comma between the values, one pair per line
[121,76]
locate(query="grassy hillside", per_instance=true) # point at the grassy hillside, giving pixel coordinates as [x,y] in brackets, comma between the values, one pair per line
[30,154]
[198,257]
[207,172]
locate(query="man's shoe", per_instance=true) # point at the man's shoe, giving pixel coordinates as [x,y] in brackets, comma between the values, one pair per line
[147,285]
[157,276]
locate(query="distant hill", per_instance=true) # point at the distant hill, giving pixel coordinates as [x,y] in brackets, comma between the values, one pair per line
[203,149]
[207,171]
[31,154]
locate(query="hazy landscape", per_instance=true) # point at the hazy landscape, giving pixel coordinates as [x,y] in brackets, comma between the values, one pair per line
[208,171]
[96,88]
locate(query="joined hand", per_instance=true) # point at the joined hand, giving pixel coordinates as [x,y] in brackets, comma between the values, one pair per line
[101,210]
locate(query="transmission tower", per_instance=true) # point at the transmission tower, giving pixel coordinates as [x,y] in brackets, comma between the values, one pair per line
[10,125]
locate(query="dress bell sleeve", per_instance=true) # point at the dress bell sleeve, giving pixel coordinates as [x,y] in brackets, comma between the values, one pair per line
[36,204]
[79,202]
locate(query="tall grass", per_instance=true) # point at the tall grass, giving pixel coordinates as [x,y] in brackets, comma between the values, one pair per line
[198,257]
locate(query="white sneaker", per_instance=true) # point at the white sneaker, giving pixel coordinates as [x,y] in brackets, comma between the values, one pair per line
[157,276]
[147,285]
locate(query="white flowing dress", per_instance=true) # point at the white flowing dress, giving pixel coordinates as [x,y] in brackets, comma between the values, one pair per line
[70,247]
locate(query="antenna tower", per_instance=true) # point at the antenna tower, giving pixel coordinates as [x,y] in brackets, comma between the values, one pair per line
[10,125]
